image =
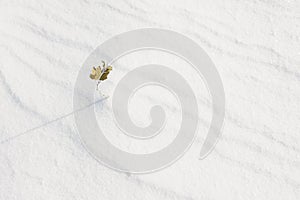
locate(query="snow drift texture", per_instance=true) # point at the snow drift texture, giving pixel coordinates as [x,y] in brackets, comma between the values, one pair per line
[255,46]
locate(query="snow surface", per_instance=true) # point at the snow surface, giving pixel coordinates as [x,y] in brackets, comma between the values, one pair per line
[255,46]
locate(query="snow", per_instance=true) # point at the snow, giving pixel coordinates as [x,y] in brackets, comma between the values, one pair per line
[255,46]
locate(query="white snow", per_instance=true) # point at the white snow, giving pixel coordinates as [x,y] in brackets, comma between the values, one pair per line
[255,46]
